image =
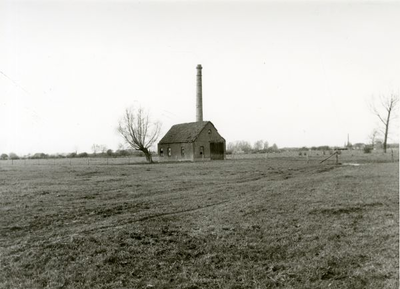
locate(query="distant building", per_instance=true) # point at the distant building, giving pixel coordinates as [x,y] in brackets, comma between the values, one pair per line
[359,146]
[193,141]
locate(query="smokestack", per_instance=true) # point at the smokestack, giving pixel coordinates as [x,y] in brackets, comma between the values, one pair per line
[199,96]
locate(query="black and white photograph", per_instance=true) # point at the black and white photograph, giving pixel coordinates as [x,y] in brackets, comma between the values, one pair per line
[199,144]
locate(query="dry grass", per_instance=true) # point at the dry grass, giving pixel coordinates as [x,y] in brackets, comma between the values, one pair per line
[259,223]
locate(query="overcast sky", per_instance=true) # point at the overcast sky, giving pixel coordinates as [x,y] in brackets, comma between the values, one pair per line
[293,73]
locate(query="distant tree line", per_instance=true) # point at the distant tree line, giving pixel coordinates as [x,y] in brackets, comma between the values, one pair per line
[245,147]
[106,154]
[260,146]
[11,156]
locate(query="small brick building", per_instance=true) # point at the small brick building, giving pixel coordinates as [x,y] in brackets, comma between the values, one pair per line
[194,141]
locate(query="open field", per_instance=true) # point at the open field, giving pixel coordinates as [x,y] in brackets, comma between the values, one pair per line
[313,156]
[276,222]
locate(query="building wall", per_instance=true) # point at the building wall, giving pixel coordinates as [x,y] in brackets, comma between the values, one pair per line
[208,134]
[176,152]
[206,151]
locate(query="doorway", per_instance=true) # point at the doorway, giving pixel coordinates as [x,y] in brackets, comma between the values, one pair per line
[217,150]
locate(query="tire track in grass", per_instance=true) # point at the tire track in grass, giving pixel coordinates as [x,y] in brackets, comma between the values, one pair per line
[260,184]
[179,212]
[150,217]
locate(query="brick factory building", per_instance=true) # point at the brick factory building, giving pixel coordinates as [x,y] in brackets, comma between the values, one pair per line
[194,141]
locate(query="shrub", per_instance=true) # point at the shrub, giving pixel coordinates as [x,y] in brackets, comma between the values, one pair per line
[39,156]
[71,155]
[367,149]
[122,153]
[13,156]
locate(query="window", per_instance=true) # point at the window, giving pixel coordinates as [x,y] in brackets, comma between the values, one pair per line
[182,151]
[161,152]
[169,152]
[201,151]
[209,131]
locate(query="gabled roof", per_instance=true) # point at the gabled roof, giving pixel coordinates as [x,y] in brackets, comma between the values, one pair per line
[184,132]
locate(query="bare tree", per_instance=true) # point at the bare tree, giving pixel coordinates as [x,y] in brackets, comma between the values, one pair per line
[239,146]
[386,111]
[258,145]
[13,156]
[139,131]
[274,148]
[266,145]
[372,137]
[95,149]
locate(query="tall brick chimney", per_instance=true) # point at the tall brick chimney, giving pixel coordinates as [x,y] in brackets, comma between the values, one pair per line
[199,95]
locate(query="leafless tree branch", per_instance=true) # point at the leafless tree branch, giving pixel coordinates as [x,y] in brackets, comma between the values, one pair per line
[386,111]
[139,131]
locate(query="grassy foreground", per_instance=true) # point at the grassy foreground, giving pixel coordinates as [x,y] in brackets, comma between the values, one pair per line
[276,223]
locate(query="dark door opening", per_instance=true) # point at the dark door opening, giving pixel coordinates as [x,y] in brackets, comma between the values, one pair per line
[217,150]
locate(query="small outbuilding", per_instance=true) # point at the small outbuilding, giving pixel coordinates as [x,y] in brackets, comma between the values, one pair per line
[193,141]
